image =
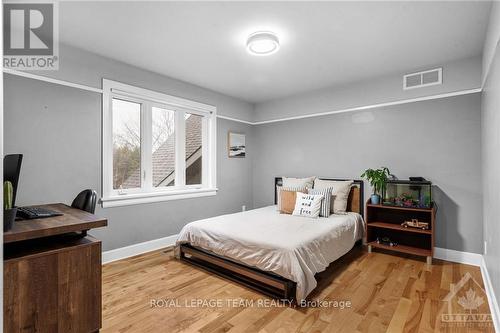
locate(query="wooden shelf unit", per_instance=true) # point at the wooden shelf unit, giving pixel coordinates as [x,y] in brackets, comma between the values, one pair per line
[385,221]
[394,226]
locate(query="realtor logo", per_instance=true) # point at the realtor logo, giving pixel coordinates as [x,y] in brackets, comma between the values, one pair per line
[467,305]
[30,35]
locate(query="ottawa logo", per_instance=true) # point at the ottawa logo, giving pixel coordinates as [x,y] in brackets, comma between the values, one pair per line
[467,305]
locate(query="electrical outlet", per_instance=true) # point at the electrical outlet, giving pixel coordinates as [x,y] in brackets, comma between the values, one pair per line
[485,247]
[243,208]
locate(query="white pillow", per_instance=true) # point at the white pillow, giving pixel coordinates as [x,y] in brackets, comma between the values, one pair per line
[298,182]
[307,205]
[340,193]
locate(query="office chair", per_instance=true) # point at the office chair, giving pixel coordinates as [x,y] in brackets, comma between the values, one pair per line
[85,200]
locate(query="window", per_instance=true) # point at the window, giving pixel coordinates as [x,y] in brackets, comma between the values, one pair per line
[194,145]
[163,146]
[156,147]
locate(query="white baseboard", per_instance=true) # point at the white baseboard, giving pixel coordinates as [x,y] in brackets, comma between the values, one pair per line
[492,299]
[468,258]
[136,249]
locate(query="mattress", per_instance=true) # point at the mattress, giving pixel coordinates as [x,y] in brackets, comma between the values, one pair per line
[293,247]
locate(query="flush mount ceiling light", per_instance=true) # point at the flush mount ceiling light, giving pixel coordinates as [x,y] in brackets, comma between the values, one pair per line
[263,43]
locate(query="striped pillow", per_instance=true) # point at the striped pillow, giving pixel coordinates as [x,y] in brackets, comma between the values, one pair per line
[293,189]
[327,197]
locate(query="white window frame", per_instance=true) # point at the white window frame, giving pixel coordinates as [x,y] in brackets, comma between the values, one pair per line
[147,193]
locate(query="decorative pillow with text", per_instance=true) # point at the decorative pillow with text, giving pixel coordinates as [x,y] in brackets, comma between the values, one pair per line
[308,205]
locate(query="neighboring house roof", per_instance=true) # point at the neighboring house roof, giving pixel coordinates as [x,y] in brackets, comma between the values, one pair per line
[164,157]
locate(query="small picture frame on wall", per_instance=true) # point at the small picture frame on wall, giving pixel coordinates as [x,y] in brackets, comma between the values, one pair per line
[236,144]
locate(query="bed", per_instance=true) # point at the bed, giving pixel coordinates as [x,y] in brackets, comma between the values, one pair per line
[276,254]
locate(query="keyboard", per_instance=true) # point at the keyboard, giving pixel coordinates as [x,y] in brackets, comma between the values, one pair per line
[36,212]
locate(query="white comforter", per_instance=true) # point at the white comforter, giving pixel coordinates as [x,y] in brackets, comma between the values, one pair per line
[293,247]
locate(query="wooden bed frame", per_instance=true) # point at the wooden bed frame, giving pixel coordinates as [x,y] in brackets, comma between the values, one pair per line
[265,282]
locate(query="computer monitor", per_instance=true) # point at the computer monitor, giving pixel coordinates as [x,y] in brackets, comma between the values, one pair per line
[11,170]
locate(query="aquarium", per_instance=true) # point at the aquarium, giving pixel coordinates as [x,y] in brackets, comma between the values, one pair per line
[406,193]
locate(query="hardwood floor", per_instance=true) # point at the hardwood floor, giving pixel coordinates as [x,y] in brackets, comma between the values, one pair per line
[387,293]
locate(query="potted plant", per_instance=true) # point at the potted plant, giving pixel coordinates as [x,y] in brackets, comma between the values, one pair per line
[9,212]
[377,179]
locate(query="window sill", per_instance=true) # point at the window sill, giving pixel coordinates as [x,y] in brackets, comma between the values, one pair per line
[144,198]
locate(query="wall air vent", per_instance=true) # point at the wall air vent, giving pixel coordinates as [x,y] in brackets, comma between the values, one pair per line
[423,79]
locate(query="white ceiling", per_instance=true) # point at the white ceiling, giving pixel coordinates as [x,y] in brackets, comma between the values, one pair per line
[322,43]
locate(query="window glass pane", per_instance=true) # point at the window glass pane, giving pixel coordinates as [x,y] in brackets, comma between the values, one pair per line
[163,145]
[193,148]
[126,144]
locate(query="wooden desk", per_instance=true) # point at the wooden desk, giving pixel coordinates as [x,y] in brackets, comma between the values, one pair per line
[52,273]
[73,220]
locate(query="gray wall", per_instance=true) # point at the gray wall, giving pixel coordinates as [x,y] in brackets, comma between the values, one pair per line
[79,66]
[490,154]
[438,139]
[491,39]
[58,129]
[457,75]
